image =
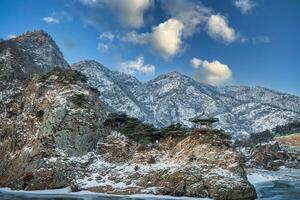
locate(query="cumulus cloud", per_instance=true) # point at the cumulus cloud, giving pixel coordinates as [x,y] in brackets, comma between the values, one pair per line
[102,47]
[133,66]
[191,14]
[130,12]
[195,62]
[107,36]
[194,16]
[244,5]
[50,20]
[218,28]
[213,73]
[165,39]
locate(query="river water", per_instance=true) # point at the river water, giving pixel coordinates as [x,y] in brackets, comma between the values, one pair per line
[280,185]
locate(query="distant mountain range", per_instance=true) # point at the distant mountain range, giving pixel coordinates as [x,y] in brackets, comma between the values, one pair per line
[169,98]
[175,98]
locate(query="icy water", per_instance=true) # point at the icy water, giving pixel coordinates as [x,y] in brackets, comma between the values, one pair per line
[278,190]
[281,185]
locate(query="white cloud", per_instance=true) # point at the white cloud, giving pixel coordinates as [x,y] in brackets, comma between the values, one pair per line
[213,73]
[93,3]
[218,28]
[195,62]
[130,12]
[261,39]
[107,36]
[191,14]
[136,38]
[194,16]
[244,5]
[102,47]
[165,39]
[132,66]
[51,20]
[11,36]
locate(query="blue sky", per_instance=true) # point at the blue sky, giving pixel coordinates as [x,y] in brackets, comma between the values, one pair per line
[228,42]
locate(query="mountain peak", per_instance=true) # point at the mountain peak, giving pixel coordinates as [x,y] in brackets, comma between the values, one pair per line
[174,74]
[41,48]
[169,75]
[37,36]
[90,64]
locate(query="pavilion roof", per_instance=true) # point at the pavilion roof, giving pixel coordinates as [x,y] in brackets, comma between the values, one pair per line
[203,118]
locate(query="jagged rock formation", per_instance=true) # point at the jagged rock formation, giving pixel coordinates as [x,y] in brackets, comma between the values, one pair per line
[280,151]
[55,114]
[22,57]
[173,97]
[189,166]
[273,155]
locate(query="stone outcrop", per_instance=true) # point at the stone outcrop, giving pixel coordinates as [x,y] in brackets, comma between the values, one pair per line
[56,113]
[190,166]
[273,155]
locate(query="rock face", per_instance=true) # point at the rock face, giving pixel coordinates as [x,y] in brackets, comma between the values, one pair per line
[189,166]
[273,155]
[53,135]
[22,57]
[173,97]
[56,114]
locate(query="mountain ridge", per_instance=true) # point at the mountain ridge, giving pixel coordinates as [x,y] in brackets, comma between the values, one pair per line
[181,95]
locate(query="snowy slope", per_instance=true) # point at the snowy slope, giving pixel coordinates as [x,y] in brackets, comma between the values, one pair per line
[173,97]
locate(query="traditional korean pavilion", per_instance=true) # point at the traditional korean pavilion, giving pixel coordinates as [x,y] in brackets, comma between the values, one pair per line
[204,122]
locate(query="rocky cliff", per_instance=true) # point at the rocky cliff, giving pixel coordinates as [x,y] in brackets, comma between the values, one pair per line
[282,151]
[55,114]
[22,57]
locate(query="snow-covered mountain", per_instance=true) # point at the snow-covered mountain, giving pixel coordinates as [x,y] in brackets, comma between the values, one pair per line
[173,97]
[22,57]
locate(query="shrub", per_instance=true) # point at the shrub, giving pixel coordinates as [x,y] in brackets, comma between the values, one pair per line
[133,128]
[65,75]
[174,130]
[40,114]
[79,99]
